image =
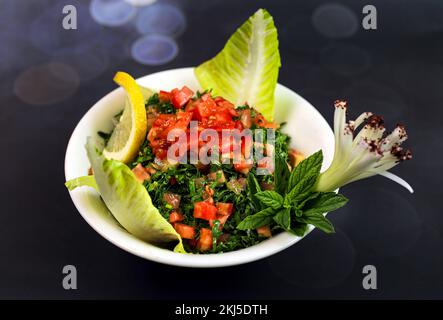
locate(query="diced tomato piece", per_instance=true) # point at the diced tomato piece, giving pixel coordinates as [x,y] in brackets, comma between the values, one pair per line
[295,157]
[224,208]
[260,120]
[238,125]
[164,96]
[221,218]
[243,167]
[205,241]
[247,147]
[172,199]
[185,231]
[140,173]
[264,231]
[204,107]
[162,122]
[201,111]
[175,216]
[245,118]
[181,97]
[223,116]
[266,164]
[223,103]
[217,176]
[161,153]
[204,210]
[183,120]
[236,185]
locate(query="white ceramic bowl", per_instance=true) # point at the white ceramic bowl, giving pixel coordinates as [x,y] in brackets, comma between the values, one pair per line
[308,129]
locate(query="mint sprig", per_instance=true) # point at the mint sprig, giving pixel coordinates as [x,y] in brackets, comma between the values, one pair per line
[294,203]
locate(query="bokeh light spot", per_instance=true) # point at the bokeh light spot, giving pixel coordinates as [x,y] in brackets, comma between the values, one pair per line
[112,13]
[46,84]
[161,18]
[140,3]
[335,21]
[154,50]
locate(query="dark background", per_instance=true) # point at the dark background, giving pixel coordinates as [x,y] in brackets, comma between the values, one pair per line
[396,70]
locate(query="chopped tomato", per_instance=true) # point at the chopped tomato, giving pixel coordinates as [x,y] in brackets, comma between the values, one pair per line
[264,231]
[185,231]
[183,120]
[247,147]
[221,218]
[217,176]
[164,96]
[205,241]
[204,210]
[175,216]
[225,104]
[260,121]
[245,118]
[204,107]
[295,157]
[243,167]
[224,208]
[266,164]
[158,134]
[172,199]
[140,173]
[181,97]
[236,185]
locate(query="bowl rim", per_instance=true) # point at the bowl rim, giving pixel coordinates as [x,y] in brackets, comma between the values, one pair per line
[124,240]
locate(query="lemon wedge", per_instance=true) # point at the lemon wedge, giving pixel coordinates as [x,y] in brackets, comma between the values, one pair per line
[130,131]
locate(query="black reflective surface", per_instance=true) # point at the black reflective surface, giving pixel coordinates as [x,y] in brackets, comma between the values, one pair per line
[396,70]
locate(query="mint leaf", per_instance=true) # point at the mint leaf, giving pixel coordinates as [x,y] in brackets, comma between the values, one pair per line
[283,218]
[318,220]
[298,212]
[281,174]
[270,198]
[302,190]
[326,202]
[311,196]
[253,188]
[257,220]
[307,168]
[299,229]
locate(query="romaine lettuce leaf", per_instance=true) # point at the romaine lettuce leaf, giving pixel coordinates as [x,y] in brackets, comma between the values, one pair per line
[246,70]
[88,181]
[128,200]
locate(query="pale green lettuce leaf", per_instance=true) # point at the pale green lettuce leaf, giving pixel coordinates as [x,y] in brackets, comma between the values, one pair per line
[246,70]
[129,201]
[87,181]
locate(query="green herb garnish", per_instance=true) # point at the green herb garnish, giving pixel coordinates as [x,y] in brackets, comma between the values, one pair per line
[294,203]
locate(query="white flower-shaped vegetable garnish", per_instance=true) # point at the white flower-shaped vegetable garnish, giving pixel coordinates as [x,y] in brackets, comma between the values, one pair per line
[363,154]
